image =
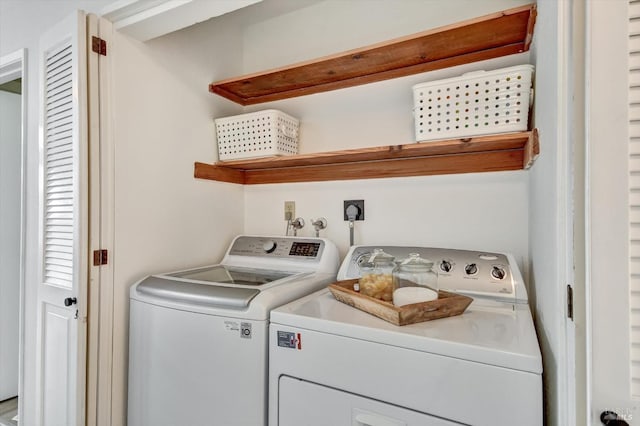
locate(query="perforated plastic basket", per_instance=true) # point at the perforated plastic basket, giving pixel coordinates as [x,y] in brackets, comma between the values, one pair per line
[257,134]
[477,103]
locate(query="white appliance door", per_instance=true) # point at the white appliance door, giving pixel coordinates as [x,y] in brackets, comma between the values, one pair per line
[444,387]
[309,404]
[62,278]
[189,368]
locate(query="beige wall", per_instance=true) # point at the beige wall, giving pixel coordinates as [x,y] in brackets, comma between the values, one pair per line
[163,122]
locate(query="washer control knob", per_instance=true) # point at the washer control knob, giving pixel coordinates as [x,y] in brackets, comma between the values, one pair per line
[498,273]
[269,246]
[445,266]
[471,269]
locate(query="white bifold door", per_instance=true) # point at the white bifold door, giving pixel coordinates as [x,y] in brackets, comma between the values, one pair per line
[613,214]
[64,222]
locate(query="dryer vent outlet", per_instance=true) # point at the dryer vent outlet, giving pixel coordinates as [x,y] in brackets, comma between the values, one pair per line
[349,206]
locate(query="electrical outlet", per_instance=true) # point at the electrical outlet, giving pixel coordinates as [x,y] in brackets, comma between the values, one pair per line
[289,210]
[359,204]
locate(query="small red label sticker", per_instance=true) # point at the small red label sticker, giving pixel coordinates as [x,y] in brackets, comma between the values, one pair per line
[288,339]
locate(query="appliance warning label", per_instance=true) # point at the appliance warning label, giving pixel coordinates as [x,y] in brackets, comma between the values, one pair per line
[287,339]
[232,325]
[245,330]
[242,328]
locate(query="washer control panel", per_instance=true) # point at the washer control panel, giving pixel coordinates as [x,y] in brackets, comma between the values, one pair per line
[277,247]
[463,271]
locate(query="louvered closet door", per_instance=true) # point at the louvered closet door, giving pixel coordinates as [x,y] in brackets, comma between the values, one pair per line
[613,185]
[63,225]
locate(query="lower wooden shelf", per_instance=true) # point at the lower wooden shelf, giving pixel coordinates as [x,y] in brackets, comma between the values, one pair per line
[507,151]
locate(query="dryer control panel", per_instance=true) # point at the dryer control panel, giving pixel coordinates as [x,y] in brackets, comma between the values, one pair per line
[494,275]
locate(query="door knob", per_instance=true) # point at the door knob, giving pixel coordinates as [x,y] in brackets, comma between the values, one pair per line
[609,418]
[70,301]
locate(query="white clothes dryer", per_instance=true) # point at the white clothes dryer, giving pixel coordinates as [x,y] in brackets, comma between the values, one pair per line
[331,364]
[198,337]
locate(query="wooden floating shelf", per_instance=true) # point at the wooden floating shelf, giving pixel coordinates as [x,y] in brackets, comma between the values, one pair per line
[508,151]
[491,36]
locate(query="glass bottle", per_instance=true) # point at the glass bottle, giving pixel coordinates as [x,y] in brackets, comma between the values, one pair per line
[376,275]
[414,281]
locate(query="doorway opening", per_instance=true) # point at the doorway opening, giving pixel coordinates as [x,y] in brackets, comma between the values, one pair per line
[12,232]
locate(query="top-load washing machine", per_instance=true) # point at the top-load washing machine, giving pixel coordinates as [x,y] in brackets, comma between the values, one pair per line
[331,364]
[198,338]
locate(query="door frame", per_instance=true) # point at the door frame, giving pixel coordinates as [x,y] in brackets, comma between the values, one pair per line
[102,228]
[14,66]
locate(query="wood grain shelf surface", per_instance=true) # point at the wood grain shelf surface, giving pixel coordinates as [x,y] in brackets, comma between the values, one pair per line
[509,151]
[490,36]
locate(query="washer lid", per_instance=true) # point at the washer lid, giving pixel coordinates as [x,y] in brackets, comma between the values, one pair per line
[193,293]
[489,332]
[221,274]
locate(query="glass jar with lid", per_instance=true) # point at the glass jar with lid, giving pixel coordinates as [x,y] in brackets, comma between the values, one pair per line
[376,275]
[414,281]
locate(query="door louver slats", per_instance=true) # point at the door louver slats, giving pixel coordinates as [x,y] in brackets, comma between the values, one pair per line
[59,185]
[634,193]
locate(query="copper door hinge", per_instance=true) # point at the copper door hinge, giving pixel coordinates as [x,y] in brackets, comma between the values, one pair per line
[100,257]
[99,46]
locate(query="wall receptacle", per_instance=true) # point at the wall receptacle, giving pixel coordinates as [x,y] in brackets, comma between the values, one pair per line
[359,204]
[289,210]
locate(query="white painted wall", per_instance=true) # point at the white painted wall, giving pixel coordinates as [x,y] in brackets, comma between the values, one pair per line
[549,201]
[163,122]
[481,211]
[457,211]
[332,26]
[10,171]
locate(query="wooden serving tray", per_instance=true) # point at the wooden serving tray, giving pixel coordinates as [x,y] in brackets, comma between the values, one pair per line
[447,305]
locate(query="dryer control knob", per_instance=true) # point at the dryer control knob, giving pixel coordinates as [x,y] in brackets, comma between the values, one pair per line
[269,246]
[498,273]
[471,269]
[445,266]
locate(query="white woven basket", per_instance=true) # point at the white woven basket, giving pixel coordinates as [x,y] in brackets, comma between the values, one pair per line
[257,134]
[477,103]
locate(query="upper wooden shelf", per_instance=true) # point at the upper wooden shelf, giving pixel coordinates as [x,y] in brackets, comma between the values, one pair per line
[498,34]
[509,151]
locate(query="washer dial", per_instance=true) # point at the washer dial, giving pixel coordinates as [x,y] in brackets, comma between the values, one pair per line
[269,246]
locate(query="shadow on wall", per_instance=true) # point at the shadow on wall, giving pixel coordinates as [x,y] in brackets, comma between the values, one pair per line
[549,364]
